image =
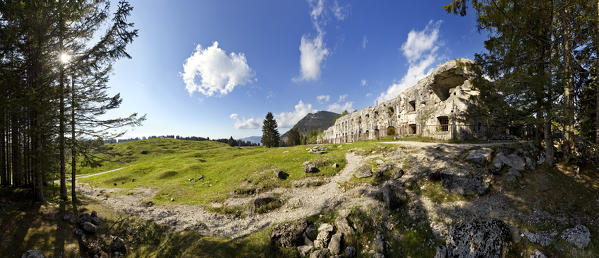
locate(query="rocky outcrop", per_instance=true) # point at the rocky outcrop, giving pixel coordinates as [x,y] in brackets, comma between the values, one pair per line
[478,238]
[289,234]
[33,254]
[310,167]
[578,236]
[364,171]
[542,238]
[480,156]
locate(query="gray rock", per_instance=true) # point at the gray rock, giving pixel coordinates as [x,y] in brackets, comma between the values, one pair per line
[89,227]
[578,236]
[537,254]
[379,243]
[397,173]
[304,249]
[480,156]
[319,253]
[324,235]
[94,214]
[336,243]
[350,251]
[281,174]
[343,226]
[311,231]
[478,238]
[464,183]
[542,238]
[378,255]
[117,245]
[394,195]
[335,165]
[33,254]
[364,171]
[310,167]
[262,201]
[317,150]
[384,167]
[441,252]
[513,161]
[289,233]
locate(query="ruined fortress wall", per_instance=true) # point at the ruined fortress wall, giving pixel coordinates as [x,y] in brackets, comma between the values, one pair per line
[435,107]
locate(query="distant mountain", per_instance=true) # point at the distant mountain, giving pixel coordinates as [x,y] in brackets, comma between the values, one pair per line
[320,120]
[253,139]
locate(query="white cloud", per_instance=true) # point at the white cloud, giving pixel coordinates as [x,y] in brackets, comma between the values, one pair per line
[342,98]
[242,123]
[420,50]
[339,11]
[289,119]
[363,82]
[312,53]
[218,72]
[364,41]
[323,98]
[340,107]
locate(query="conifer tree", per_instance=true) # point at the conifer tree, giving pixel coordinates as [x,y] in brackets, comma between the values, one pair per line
[270,134]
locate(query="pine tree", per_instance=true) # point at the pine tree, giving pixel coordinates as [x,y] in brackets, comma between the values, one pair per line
[231,141]
[270,134]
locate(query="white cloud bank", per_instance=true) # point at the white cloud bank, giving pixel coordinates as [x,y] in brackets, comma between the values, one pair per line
[242,123]
[289,119]
[218,72]
[341,105]
[323,98]
[340,11]
[420,49]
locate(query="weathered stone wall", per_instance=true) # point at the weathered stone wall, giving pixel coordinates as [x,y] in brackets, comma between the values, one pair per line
[434,107]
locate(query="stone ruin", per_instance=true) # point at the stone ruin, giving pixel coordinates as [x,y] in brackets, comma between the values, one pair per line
[436,107]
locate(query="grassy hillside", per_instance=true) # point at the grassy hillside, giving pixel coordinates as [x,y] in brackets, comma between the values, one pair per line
[168,164]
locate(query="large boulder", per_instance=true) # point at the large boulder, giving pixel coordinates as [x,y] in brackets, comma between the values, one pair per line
[350,251]
[89,227]
[317,150]
[480,156]
[33,254]
[281,174]
[343,226]
[336,243]
[117,245]
[262,201]
[364,171]
[478,238]
[289,233]
[310,167]
[324,235]
[578,236]
[319,253]
[304,249]
[513,161]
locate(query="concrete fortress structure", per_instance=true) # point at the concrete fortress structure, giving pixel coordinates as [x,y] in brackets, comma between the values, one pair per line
[437,107]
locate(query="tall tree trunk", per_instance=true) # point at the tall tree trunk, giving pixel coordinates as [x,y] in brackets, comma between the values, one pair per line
[3,171]
[61,132]
[597,77]
[568,85]
[73,148]
[16,152]
[546,47]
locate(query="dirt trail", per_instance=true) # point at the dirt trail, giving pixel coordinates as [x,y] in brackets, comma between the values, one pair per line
[301,202]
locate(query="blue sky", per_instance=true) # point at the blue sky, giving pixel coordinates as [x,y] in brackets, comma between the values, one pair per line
[286,57]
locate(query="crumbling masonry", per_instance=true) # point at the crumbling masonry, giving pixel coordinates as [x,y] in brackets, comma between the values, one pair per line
[435,107]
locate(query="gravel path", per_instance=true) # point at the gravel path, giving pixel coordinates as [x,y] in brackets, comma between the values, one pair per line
[300,202]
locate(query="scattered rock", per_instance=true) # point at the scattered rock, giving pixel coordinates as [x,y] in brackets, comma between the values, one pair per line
[378,255]
[33,254]
[537,254]
[542,238]
[335,165]
[364,171]
[311,232]
[172,199]
[89,228]
[317,150]
[201,177]
[117,245]
[478,238]
[578,236]
[132,180]
[335,243]
[350,251]
[397,173]
[324,234]
[378,244]
[310,167]
[262,201]
[281,174]
[289,234]
[319,253]
[480,156]
[148,204]
[304,249]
